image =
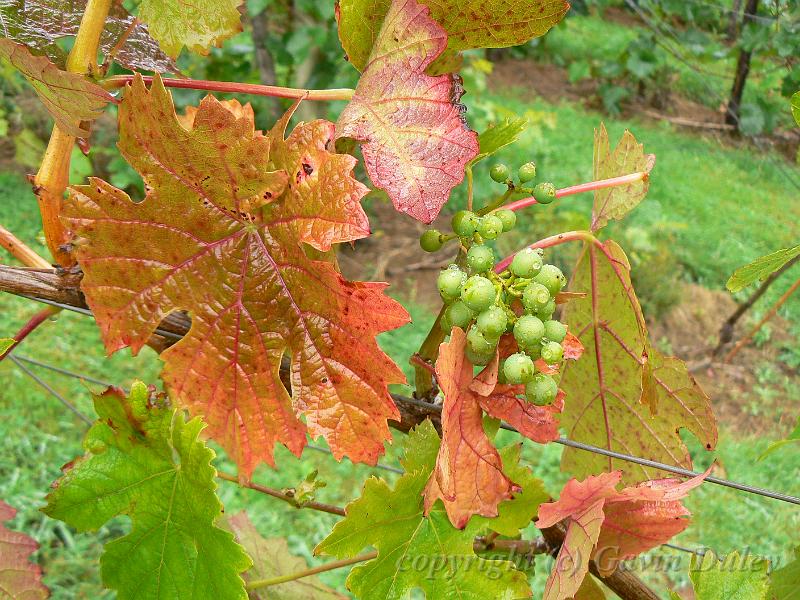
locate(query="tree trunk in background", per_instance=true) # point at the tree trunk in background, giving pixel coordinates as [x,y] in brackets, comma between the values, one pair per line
[264,62]
[733,20]
[742,70]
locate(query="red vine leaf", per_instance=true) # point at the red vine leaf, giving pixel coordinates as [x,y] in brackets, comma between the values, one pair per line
[628,157]
[220,234]
[468,477]
[468,23]
[414,139]
[605,402]
[19,577]
[70,98]
[39,24]
[608,526]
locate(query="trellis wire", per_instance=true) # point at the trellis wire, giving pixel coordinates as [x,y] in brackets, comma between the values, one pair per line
[562,440]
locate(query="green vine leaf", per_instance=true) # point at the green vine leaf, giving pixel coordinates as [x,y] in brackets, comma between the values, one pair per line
[796,107]
[144,460]
[622,394]
[222,233]
[176,24]
[628,157]
[414,139]
[499,135]
[39,24]
[20,579]
[415,551]
[70,98]
[468,24]
[735,577]
[792,439]
[271,559]
[760,268]
[5,344]
[784,581]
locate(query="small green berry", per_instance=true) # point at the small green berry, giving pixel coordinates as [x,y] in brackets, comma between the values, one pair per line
[527,172]
[478,293]
[499,173]
[465,223]
[479,343]
[508,218]
[450,282]
[544,193]
[480,258]
[552,352]
[551,277]
[458,315]
[555,331]
[490,227]
[492,322]
[546,312]
[518,368]
[431,240]
[541,390]
[526,263]
[535,297]
[528,331]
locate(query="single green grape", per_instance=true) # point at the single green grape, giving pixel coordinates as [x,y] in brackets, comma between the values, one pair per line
[528,331]
[555,331]
[546,312]
[478,293]
[476,358]
[459,315]
[526,263]
[465,223]
[450,282]
[544,193]
[507,217]
[480,258]
[492,322]
[551,277]
[552,352]
[535,297]
[518,368]
[431,240]
[490,227]
[541,390]
[527,172]
[479,343]
[499,173]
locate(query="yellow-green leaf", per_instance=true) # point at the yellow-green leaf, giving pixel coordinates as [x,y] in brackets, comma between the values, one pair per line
[144,460]
[760,268]
[733,577]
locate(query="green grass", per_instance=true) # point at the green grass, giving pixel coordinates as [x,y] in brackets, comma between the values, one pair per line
[724,206]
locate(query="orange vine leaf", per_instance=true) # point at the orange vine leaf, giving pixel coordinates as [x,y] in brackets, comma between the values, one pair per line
[19,577]
[221,234]
[414,138]
[609,526]
[468,477]
[69,97]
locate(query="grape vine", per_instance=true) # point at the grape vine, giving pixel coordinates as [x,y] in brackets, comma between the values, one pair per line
[232,251]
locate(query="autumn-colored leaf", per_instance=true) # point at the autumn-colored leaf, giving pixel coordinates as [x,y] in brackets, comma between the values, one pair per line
[469,24]
[628,157]
[221,234]
[70,98]
[426,552]
[176,24]
[145,461]
[20,579]
[271,558]
[608,526]
[39,24]
[590,590]
[605,402]
[760,268]
[414,139]
[468,477]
